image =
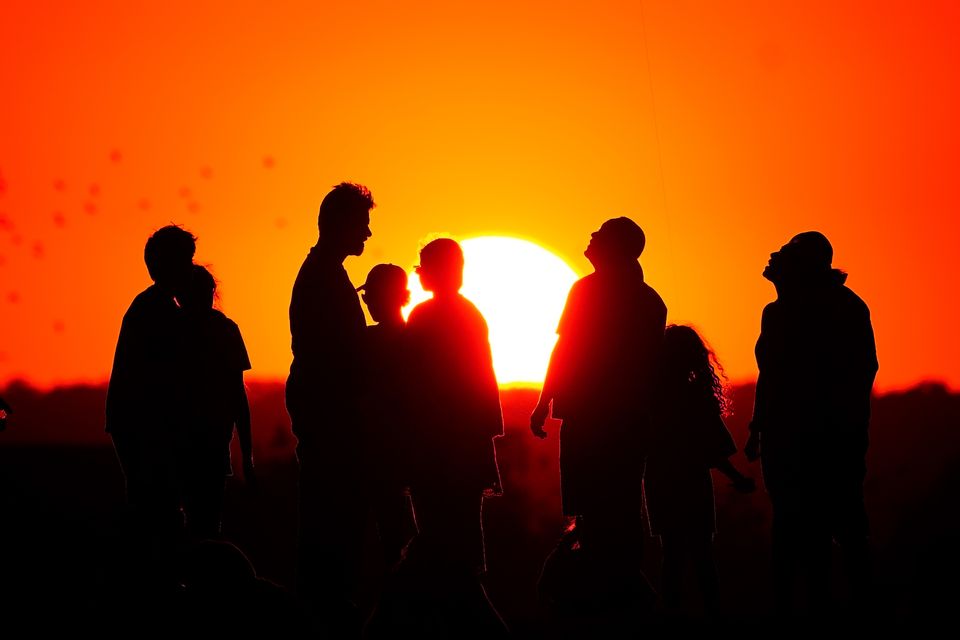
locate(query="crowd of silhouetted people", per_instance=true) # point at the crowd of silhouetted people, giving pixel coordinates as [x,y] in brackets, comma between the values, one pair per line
[397,422]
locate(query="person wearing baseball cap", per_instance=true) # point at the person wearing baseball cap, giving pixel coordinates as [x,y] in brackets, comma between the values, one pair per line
[385,413]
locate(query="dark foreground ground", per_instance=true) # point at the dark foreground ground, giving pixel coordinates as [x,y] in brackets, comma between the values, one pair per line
[62,518]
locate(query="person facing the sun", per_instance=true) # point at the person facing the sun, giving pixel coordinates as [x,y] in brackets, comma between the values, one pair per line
[385,411]
[456,415]
[323,394]
[600,382]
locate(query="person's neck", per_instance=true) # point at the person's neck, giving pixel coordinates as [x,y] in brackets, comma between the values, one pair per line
[330,251]
[446,294]
[615,266]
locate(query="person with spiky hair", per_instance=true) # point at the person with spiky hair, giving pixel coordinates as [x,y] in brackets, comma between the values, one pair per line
[323,395]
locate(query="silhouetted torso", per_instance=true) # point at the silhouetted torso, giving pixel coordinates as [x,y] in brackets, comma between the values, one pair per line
[326,325]
[457,400]
[817,362]
[689,438]
[145,364]
[323,395]
[386,405]
[606,362]
[386,436]
[214,359]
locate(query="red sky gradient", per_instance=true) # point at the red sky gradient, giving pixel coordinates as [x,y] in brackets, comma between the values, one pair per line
[722,129]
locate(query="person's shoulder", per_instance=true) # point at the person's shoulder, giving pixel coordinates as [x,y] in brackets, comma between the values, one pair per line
[314,267]
[850,297]
[652,296]
[585,282]
[221,319]
[421,312]
[851,304]
[467,306]
[473,314]
[148,302]
[584,286]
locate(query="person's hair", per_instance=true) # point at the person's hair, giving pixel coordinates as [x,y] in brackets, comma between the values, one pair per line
[628,236]
[169,246]
[202,279]
[199,285]
[442,251]
[689,360]
[344,200]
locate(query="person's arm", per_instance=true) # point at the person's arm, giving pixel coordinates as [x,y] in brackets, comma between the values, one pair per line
[738,481]
[542,410]
[558,362]
[752,447]
[242,408]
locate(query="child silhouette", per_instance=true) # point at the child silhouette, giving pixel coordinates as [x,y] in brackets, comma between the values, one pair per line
[690,438]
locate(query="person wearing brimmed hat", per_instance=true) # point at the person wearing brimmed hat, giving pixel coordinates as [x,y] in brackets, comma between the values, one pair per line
[386,420]
[817,361]
[600,382]
[323,395]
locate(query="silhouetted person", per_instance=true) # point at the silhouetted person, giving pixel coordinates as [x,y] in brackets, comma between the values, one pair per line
[215,402]
[141,401]
[817,360]
[386,418]
[453,461]
[600,382]
[323,397]
[689,439]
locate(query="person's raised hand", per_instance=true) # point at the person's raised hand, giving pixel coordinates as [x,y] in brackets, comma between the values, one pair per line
[538,418]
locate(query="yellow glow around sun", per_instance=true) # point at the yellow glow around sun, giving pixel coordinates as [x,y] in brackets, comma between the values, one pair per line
[520,288]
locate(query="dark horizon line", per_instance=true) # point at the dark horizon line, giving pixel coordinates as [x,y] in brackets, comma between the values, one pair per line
[24,383]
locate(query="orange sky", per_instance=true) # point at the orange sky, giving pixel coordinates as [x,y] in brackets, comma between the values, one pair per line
[747,123]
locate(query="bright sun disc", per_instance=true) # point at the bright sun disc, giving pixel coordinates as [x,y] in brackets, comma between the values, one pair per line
[520,288]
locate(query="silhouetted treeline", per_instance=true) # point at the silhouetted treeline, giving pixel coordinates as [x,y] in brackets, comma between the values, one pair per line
[62,493]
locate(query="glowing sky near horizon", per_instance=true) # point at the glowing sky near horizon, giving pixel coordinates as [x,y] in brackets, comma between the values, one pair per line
[722,128]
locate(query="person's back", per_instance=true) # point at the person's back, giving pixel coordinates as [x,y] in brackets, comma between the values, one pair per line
[456,416]
[213,359]
[459,397]
[689,440]
[142,400]
[144,363]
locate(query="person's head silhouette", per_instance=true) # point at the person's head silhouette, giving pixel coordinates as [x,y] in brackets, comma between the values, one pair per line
[441,267]
[169,256]
[807,257]
[197,292]
[344,219]
[385,292]
[617,242]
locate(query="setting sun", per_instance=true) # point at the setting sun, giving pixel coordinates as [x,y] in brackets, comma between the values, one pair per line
[520,288]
